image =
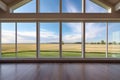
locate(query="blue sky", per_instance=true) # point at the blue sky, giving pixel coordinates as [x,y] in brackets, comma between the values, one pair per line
[49,32]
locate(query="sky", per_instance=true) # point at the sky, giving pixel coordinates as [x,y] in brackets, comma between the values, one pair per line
[49,32]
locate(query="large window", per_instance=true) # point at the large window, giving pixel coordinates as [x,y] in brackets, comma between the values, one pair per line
[26,40]
[71,39]
[114,40]
[8,40]
[49,40]
[19,39]
[95,40]
[53,6]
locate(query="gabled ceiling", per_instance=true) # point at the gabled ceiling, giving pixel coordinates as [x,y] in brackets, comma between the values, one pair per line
[5,4]
[9,1]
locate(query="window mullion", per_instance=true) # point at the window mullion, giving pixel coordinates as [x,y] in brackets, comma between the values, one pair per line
[16,43]
[60,39]
[0,41]
[107,40]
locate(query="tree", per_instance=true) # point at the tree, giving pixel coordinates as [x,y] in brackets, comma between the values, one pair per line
[98,42]
[114,42]
[102,42]
[62,42]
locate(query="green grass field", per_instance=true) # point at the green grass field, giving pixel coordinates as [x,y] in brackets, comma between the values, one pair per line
[52,51]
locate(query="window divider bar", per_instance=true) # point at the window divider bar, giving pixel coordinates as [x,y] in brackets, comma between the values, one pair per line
[107,40]
[38,39]
[37,6]
[83,29]
[16,43]
[83,6]
[60,6]
[0,41]
[60,39]
[83,39]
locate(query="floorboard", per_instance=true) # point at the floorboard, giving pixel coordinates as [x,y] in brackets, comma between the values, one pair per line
[60,71]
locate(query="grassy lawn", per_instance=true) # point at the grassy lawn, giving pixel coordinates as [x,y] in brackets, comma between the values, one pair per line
[52,51]
[54,54]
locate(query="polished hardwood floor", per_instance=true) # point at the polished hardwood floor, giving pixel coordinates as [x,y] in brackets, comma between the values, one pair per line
[60,71]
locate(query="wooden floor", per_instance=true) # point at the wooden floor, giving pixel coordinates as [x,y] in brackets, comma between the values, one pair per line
[60,71]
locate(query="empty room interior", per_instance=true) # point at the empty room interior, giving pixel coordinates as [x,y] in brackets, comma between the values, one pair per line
[59,39]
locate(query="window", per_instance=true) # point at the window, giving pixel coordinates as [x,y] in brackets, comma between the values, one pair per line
[71,39]
[114,40]
[95,40]
[29,7]
[71,6]
[49,6]
[8,40]
[91,7]
[26,40]
[49,39]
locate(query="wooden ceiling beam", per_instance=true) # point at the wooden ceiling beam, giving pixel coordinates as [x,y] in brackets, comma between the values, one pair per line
[60,17]
[3,6]
[17,3]
[117,6]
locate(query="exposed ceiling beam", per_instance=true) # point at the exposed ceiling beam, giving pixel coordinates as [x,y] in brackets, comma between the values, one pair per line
[117,6]
[3,6]
[60,17]
[18,3]
[104,4]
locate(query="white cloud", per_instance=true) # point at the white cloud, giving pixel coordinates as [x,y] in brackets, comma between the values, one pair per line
[75,34]
[29,36]
[76,27]
[48,36]
[93,30]
[72,38]
[23,37]
[8,36]
[71,7]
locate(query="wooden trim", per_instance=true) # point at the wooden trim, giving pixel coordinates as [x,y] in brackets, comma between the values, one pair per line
[106,39]
[90,17]
[3,6]
[17,3]
[16,40]
[62,60]
[60,39]
[0,40]
[117,6]
[83,39]
[37,40]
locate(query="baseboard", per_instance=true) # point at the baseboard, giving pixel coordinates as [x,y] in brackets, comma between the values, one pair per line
[63,60]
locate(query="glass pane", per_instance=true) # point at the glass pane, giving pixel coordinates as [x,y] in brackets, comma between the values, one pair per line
[114,40]
[49,40]
[95,40]
[71,40]
[8,40]
[92,7]
[71,6]
[49,6]
[29,7]
[26,36]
